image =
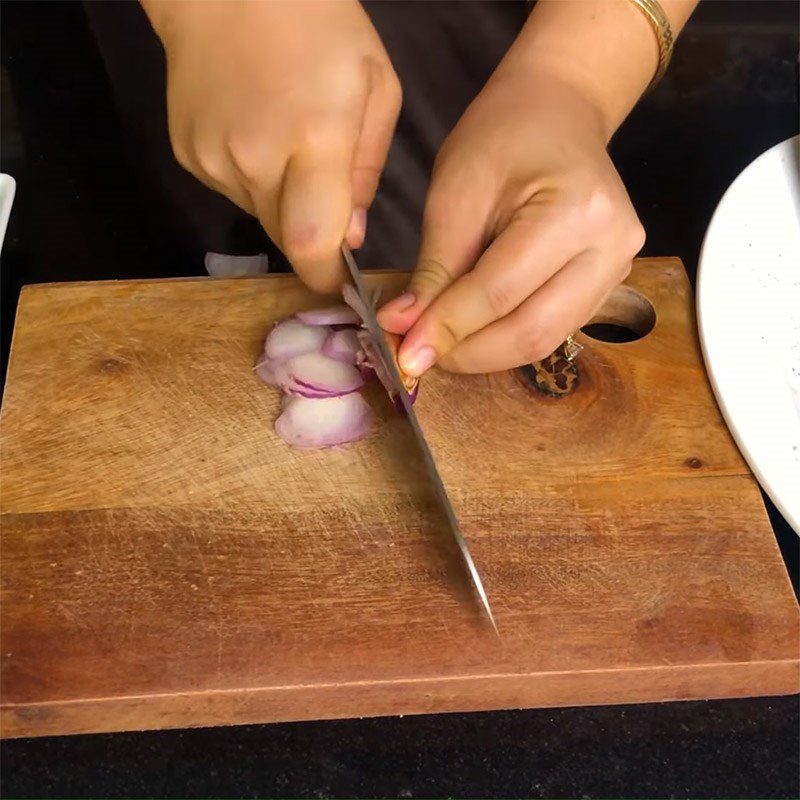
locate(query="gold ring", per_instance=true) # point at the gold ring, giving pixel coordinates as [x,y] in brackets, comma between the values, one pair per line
[572,349]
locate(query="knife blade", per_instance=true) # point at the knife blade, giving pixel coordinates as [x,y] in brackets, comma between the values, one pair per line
[375,330]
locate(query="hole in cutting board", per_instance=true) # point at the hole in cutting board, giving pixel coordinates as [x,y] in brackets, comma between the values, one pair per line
[626,316]
[609,332]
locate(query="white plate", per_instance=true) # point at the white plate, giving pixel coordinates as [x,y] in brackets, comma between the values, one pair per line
[748,308]
[8,187]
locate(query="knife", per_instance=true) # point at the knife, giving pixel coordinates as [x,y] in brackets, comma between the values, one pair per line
[375,330]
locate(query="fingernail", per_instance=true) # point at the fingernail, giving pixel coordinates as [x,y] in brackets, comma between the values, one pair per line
[418,361]
[358,227]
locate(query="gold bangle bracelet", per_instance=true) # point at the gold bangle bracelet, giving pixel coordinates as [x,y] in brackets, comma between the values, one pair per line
[663,31]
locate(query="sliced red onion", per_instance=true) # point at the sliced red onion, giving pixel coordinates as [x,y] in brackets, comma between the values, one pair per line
[308,424]
[220,265]
[320,361]
[342,346]
[292,338]
[275,373]
[398,403]
[371,357]
[265,370]
[310,375]
[314,375]
[337,315]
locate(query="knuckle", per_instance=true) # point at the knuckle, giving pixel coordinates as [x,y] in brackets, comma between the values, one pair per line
[445,334]
[312,136]
[183,158]
[181,151]
[247,155]
[597,207]
[309,247]
[635,237]
[315,263]
[393,88]
[325,136]
[430,276]
[501,298]
[212,165]
[452,362]
[322,281]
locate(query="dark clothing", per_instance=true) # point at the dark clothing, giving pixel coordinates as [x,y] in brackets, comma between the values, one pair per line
[443,53]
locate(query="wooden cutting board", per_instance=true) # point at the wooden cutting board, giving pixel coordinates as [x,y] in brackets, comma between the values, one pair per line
[167,561]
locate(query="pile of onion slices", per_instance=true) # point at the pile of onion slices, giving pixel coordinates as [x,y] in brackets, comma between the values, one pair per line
[320,359]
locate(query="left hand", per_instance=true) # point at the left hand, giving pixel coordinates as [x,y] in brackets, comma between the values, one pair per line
[527,229]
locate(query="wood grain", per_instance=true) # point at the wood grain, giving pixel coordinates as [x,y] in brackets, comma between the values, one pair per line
[167,561]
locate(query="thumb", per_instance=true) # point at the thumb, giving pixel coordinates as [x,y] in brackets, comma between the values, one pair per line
[315,210]
[452,240]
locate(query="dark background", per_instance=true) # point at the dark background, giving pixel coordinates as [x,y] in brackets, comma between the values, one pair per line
[82,212]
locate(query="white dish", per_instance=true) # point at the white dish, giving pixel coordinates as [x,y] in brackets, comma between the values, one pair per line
[748,308]
[8,187]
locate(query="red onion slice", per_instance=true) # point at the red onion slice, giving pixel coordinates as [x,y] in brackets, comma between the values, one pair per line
[219,265]
[337,315]
[308,424]
[314,374]
[342,346]
[265,370]
[292,338]
[371,357]
[275,373]
[320,361]
[310,375]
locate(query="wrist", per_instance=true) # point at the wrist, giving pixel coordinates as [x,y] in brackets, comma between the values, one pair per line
[605,49]
[556,78]
[541,90]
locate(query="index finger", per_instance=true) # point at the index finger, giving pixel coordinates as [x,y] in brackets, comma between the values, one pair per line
[315,210]
[525,255]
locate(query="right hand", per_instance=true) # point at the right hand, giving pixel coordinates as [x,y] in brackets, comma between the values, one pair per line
[286,108]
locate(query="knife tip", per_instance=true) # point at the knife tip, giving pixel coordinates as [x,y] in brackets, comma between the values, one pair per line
[492,620]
